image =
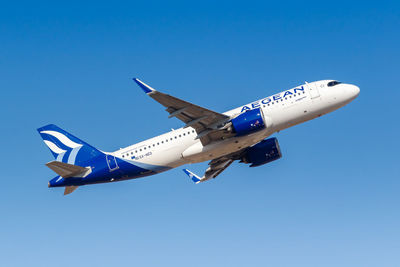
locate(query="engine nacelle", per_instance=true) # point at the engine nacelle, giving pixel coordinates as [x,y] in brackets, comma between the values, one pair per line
[248,122]
[262,153]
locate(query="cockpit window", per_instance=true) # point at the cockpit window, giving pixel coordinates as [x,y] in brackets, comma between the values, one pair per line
[333,83]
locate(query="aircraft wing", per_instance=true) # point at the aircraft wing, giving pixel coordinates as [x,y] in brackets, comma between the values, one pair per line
[216,167]
[204,121]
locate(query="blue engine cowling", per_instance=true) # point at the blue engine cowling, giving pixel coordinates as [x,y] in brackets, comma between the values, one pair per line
[262,153]
[248,122]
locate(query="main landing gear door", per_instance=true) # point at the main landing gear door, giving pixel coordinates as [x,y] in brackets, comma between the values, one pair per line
[313,89]
[112,163]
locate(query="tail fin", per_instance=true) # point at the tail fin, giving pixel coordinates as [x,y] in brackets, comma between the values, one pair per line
[65,147]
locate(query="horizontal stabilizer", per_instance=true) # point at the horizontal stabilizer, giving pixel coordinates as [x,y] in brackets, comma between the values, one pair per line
[66,170]
[69,189]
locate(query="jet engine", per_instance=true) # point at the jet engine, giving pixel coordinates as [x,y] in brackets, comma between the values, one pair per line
[248,122]
[262,153]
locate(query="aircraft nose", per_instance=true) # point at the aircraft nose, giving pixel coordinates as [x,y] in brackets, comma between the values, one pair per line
[353,91]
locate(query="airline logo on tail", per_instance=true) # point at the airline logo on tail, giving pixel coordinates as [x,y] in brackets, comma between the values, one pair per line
[65,147]
[71,148]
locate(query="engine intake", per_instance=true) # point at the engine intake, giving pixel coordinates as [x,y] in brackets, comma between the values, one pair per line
[248,122]
[262,153]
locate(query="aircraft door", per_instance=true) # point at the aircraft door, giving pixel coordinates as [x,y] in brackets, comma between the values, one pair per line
[111,162]
[313,89]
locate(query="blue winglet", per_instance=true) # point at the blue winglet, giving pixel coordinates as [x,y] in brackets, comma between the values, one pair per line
[192,176]
[147,89]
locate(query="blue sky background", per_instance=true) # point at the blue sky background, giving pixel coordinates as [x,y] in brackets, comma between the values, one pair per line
[332,200]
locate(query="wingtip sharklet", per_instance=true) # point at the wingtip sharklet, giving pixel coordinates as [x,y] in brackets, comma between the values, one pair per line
[146,88]
[195,178]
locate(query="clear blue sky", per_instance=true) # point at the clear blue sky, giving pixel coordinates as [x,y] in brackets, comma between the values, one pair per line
[332,200]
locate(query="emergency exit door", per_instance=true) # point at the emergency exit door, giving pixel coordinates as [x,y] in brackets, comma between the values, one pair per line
[313,90]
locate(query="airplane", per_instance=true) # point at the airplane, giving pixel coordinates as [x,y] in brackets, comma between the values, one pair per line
[240,134]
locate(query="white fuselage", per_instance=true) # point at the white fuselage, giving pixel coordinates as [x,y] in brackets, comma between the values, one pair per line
[281,111]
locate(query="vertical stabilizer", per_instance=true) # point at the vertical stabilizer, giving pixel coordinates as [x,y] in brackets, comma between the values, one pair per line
[65,147]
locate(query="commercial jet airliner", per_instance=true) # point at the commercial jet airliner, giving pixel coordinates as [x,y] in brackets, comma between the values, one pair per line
[221,138]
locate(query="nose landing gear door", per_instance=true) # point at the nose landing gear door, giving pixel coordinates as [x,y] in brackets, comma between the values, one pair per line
[313,90]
